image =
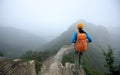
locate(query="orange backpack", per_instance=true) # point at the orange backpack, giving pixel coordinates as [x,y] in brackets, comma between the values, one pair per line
[81,42]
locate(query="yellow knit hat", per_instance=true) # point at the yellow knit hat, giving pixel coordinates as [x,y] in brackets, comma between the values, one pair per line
[80,25]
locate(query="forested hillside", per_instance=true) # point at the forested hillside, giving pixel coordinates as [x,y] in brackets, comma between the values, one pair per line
[14,42]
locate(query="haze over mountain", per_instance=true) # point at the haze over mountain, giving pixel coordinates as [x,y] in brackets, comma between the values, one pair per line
[49,18]
[99,33]
[94,55]
[14,42]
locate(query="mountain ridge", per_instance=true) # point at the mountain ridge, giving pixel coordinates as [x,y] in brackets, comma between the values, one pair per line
[18,41]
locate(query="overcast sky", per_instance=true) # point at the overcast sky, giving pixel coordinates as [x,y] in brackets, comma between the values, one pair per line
[55,16]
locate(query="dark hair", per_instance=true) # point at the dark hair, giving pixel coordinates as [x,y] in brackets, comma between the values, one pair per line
[81,30]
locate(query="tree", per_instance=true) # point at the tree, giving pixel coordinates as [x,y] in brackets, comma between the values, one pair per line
[110,62]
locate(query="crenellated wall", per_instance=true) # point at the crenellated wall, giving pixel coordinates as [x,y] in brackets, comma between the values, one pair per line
[17,67]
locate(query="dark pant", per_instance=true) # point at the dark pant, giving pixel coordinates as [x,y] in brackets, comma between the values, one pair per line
[77,60]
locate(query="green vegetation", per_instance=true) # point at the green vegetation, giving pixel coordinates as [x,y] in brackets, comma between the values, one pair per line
[39,57]
[90,71]
[110,63]
[68,58]
[1,54]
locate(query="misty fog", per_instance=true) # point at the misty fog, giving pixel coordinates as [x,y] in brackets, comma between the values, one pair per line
[38,29]
[49,18]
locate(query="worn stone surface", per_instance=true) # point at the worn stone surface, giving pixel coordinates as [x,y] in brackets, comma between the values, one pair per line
[53,65]
[17,67]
